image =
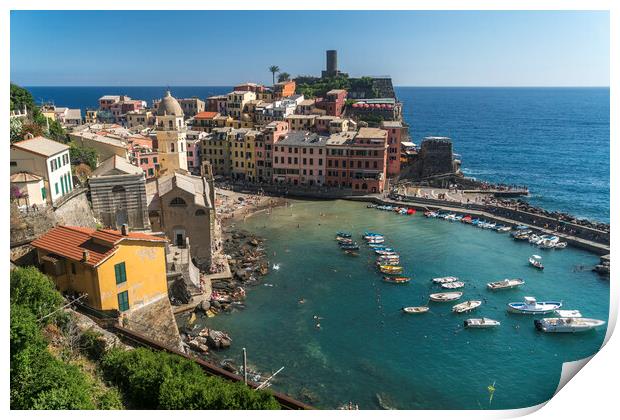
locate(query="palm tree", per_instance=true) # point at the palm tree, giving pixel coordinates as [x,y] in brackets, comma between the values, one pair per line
[283,77]
[274,70]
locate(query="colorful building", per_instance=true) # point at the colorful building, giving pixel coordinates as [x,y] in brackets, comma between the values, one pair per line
[205,121]
[300,122]
[117,270]
[334,102]
[265,141]
[236,101]
[242,144]
[217,104]
[284,89]
[396,132]
[47,159]
[171,135]
[299,159]
[216,150]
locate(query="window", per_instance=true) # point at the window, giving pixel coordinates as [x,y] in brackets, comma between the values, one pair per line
[120,273]
[200,212]
[43,193]
[123,301]
[13,163]
[178,202]
[56,187]
[151,172]
[172,147]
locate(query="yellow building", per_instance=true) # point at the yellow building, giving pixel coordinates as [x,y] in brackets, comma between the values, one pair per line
[216,149]
[299,122]
[242,144]
[116,270]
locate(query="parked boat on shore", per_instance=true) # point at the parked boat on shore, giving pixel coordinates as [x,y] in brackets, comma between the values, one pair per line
[531,306]
[567,325]
[505,284]
[481,323]
[466,306]
[415,309]
[446,296]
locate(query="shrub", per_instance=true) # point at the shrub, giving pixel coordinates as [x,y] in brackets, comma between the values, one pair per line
[33,289]
[92,344]
[151,380]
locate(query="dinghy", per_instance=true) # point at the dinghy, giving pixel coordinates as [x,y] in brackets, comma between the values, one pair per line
[453,285]
[567,325]
[536,261]
[505,284]
[390,269]
[530,306]
[466,306]
[415,309]
[481,323]
[383,252]
[441,280]
[446,297]
[396,280]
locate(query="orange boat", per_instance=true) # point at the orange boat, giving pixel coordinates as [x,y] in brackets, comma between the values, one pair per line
[396,280]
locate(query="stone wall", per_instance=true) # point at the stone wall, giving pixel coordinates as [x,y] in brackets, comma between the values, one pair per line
[434,158]
[120,199]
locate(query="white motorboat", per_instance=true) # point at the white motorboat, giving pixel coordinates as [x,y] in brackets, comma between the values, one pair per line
[505,284]
[546,244]
[466,306]
[276,267]
[534,239]
[568,313]
[415,309]
[450,217]
[561,245]
[446,297]
[384,252]
[503,229]
[481,323]
[530,306]
[448,279]
[536,261]
[453,285]
[567,325]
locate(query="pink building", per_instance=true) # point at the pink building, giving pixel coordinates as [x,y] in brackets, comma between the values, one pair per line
[395,131]
[217,104]
[299,159]
[193,156]
[263,148]
[334,101]
[147,160]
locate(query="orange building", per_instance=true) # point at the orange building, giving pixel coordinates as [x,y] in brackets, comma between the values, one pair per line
[284,89]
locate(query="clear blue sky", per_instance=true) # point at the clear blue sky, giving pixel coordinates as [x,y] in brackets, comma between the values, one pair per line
[434,48]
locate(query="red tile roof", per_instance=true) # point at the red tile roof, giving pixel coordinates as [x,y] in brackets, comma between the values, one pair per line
[71,241]
[205,115]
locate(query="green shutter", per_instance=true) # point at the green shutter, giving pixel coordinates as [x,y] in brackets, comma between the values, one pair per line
[119,273]
[43,193]
[123,301]
[56,187]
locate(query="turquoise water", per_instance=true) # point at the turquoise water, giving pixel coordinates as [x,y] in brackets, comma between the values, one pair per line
[367,349]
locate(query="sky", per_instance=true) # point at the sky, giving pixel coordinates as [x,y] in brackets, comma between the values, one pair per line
[222,48]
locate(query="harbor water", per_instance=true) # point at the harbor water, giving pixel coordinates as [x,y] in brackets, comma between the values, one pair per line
[369,352]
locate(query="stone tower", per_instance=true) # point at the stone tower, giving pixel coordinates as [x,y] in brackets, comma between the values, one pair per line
[171,136]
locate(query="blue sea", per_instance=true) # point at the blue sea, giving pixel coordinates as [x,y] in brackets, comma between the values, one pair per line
[555,140]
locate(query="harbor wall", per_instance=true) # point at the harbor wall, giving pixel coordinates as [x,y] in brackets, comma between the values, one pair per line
[506,216]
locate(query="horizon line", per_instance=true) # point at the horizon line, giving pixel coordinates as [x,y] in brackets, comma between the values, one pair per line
[396,86]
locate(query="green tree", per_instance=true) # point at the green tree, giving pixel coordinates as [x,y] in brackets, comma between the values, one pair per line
[16,129]
[273,70]
[83,155]
[21,97]
[283,77]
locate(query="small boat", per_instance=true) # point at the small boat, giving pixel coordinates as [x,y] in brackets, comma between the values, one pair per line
[371,206]
[466,219]
[350,246]
[415,309]
[536,261]
[450,217]
[351,253]
[343,234]
[453,285]
[345,241]
[505,284]
[390,269]
[567,325]
[276,267]
[448,279]
[396,280]
[530,306]
[445,297]
[430,214]
[389,260]
[377,246]
[383,248]
[561,245]
[534,239]
[481,323]
[371,234]
[568,313]
[522,236]
[384,252]
[489,226]
[466,306]
[375,241]
[410,211]
[502,228]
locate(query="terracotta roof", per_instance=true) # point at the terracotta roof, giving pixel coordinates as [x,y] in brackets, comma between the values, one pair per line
[19,177]
[71,242]
[205,115]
